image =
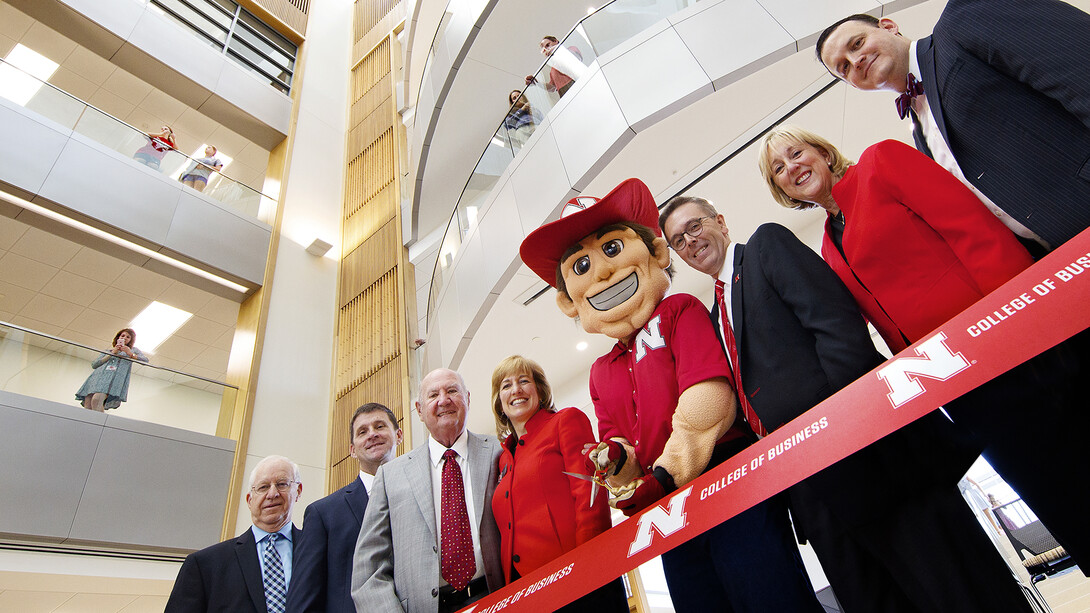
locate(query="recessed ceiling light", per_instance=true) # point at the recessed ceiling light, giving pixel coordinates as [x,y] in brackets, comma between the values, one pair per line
[581,346]
[156,323]
[24,73]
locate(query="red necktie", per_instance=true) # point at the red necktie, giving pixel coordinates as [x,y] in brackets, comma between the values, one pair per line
[732,349]
[456,563]
[904,101]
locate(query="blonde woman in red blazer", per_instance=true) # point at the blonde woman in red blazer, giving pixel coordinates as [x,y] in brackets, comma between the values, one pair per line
[541,512]
[915,247]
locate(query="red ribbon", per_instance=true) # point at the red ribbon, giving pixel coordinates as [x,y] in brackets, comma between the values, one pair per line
[1039,308]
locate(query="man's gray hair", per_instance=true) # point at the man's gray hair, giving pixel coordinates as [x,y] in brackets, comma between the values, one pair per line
[276,458]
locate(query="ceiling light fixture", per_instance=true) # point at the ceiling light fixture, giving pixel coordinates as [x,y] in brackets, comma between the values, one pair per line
[156,323]
[24,73]
[131,246]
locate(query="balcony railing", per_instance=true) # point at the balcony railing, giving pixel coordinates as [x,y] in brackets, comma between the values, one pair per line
[593,36]
[59,106]
[51,368]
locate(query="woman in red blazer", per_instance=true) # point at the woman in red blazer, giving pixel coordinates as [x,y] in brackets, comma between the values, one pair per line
[540,511]
[913,245]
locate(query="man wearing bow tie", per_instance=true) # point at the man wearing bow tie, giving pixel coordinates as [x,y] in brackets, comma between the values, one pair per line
[1005,107]
[1005,104]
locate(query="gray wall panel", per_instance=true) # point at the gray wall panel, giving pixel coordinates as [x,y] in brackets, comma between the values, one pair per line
[45,452]
[151,491]
[117,191]
[86,478]
[29,148]
[219,238]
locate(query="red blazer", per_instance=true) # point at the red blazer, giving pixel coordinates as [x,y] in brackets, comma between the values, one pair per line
[540,511]
[920,246]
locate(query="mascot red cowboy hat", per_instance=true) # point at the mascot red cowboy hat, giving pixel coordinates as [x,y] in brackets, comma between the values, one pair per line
[661,395]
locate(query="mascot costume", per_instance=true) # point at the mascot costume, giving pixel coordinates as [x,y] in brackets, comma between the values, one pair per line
[665,409]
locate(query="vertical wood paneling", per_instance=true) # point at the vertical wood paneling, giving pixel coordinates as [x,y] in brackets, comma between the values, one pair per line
[372,323]
[290,13]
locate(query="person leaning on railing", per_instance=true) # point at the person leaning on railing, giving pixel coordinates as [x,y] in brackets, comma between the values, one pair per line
[108,386]
[196,176]
[152,153]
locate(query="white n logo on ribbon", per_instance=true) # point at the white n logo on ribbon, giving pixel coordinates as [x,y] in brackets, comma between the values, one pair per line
[938,363]
[658,520]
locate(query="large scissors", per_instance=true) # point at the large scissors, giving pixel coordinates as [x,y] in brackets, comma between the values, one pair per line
[596,480]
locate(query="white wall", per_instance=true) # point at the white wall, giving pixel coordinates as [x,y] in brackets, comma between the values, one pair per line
[294,398]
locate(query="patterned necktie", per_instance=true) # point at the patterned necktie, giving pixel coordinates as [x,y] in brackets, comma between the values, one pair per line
[456,564]
[735,375]
[904,101]
[275,590]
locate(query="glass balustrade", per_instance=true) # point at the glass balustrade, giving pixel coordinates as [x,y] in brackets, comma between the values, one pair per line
[43,366]
[55,104]
[569,61]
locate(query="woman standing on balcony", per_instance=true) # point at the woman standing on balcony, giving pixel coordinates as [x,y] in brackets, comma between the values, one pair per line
[540,511]
[196,176]
[108,385]
[151,154]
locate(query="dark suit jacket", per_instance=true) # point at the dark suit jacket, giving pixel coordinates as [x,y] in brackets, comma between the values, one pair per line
[1008,85]
[224,577]
[801,339]
[322,560]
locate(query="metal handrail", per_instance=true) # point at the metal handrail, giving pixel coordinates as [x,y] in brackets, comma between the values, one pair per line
[5,324]
[128,125]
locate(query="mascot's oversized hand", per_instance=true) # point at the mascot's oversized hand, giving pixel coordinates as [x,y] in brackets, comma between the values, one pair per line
[606,457]
[643,492]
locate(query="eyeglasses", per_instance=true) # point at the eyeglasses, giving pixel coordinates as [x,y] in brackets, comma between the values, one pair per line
[281,486]
[694,229]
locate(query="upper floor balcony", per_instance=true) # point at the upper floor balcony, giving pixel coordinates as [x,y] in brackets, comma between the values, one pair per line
[72,158]
[86,480]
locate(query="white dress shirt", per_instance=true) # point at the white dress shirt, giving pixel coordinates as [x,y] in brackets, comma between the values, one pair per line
[945,157]
[367,481]
[724,276]
[436,451]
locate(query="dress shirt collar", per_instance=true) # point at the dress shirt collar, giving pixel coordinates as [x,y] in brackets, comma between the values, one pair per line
[284,532]
[367,481]
[728,265]
[460,446]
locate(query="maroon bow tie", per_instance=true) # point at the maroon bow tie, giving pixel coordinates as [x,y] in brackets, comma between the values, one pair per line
[904,101]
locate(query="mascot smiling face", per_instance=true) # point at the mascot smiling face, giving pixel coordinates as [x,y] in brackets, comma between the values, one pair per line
[607,260]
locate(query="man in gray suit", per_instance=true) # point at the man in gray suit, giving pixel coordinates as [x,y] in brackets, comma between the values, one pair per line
[429,543]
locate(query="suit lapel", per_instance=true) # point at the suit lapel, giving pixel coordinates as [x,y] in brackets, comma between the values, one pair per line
[478,473]
[419,470]
[356,499]
[246,551]
[736,309]
[925,56]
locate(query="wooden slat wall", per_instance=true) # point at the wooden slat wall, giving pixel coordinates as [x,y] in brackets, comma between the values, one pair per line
[372,324]
[289,17]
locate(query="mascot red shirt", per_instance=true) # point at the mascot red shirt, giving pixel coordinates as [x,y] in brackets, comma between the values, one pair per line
[661,395]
